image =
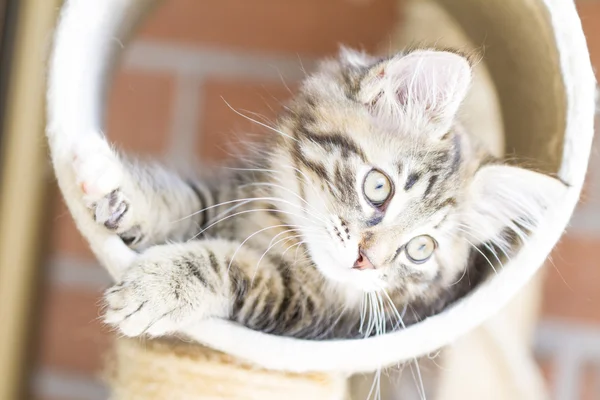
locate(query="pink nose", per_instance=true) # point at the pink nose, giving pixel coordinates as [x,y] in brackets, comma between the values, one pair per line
[363,262]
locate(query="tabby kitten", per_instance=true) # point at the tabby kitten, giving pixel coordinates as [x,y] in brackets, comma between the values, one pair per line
[369,199]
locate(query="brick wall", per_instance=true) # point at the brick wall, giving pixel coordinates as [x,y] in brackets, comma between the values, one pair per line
[167,102]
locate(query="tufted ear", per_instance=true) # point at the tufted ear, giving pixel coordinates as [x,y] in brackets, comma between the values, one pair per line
[502,197]
[424,86]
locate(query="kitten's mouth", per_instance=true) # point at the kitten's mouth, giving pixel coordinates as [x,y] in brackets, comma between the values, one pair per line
[362,262]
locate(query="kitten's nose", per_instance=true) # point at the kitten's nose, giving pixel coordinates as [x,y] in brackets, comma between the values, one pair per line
[363,262]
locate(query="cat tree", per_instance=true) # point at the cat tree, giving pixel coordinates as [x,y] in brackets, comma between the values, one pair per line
[538,61]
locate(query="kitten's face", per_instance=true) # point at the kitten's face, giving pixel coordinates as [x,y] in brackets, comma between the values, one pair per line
[390,186]
[391,213]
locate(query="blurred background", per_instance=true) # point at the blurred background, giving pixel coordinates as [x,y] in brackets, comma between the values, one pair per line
[166,103]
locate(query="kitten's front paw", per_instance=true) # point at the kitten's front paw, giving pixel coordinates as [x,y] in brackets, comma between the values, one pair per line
[100,175]
[155,298]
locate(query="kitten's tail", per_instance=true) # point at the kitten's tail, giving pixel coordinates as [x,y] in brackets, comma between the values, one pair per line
[85,45]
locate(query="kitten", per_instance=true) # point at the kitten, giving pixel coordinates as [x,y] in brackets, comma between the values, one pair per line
[369,199]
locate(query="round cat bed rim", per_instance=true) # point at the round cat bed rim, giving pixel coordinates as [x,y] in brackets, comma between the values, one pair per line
[83,55]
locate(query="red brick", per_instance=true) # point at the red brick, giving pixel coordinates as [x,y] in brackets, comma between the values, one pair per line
[587,380]
[590,383]
[307,27]
[571,287]
[547,370]
[139,112]
[589,12]
[72,338]
[64,236]
[221,127]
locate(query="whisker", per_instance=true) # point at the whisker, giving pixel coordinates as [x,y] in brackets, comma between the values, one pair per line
[333,325]
[381,314]
[286,189]
[250,237]
[490,249]
[282,233]
[418,379]
[372,315]
[269,249]
[293,245]
[266,119]
[483,254]
[245,212]
[363,311]
[305,178]
[375,386]
[420,386]
[461,277]
[296,252]
[308,182]
[267,199]
[467,229]
[242,202]
[258,122]
[219,205]
[273,244]
[252,169]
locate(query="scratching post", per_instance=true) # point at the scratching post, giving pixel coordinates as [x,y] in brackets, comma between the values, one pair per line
[175,370]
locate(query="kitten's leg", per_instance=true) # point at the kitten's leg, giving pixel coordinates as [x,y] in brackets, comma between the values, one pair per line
[144,204]
[172,286]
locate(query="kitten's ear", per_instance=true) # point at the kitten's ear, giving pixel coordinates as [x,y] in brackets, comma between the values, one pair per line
[502,196]
[424,85]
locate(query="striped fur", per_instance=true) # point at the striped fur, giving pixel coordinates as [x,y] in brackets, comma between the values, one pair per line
[272,242]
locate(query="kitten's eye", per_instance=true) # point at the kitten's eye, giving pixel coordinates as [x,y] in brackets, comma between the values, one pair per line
[420,248]
[377,187]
